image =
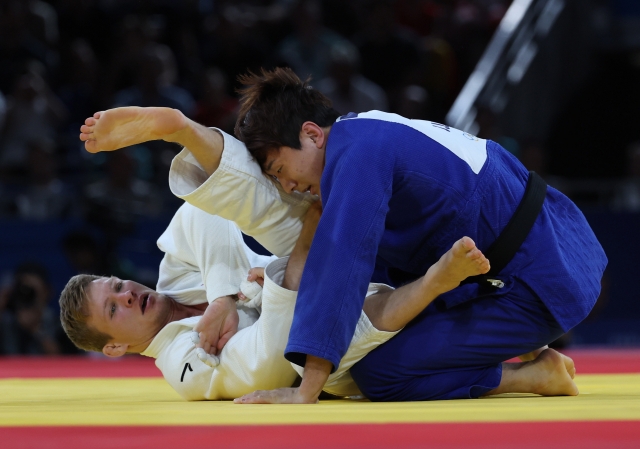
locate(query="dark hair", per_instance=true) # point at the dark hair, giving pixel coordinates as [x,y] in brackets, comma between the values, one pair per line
[274,105]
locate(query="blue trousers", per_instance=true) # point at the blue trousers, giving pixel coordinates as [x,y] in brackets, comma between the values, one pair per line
[455,352]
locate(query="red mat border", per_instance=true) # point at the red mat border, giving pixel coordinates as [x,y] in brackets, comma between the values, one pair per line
[588,361]
[520,435]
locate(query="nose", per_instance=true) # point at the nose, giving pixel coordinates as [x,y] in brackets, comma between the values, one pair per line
[127,298]
[288,185]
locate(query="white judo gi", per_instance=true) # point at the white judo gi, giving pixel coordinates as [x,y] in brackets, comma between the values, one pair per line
[205,258]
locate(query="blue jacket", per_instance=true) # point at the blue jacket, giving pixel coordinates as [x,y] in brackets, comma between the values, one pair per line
[397,193]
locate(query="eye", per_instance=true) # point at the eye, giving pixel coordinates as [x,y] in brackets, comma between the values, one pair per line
[279,170]
[119,286]
[113,310]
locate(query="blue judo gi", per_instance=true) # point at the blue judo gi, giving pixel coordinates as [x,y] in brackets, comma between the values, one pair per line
[396,194]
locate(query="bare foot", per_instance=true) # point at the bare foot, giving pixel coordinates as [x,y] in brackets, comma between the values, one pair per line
[547,375]
[569,365]
[568,362]
[529,356]
[552,377]
[464,259]
[121,127]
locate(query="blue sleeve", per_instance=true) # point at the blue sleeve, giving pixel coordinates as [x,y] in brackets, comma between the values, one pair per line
[356,188]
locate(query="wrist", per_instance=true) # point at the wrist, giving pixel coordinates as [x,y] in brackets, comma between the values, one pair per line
[316,373]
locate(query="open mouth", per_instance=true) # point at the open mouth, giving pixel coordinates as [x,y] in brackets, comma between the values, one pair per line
[143,304]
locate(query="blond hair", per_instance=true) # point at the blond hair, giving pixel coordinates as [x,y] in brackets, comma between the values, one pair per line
[74,315]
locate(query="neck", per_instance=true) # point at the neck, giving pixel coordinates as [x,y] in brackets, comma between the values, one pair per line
[181,311]
[177,312]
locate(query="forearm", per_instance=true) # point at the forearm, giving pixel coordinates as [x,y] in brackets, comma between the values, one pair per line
[295,267]
[298,257]
[316,373]
[205,144]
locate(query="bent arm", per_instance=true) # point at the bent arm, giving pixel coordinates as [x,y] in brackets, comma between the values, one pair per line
[252,359]
[240,192]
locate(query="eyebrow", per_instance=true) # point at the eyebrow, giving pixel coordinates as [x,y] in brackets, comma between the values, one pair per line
[268,168]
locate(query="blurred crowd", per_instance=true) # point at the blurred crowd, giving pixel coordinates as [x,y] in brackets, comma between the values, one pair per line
[62,60]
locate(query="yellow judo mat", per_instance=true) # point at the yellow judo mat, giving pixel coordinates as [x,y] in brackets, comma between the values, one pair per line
[151,401]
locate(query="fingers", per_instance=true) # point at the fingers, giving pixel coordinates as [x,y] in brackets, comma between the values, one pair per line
[250,289]
[195,338]
[223,340]
[209,343]
[207,359]
[256,275]
[257,397]
[279,396]
[203,356]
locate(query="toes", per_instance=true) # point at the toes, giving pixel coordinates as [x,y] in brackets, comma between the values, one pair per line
[467,243]
[86,129]
[474,254]
[98,114]
[90,121]
[91,146]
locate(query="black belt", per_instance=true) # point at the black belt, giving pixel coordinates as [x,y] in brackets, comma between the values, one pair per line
[515,232]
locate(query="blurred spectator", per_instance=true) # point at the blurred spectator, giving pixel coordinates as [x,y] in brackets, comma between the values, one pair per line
[28,30]
[533,156]
[116,202]
[33,110]
[389,52]
[28,325]
[216,107]
[87,256]
[134,35]
[438,72]
[414,103]
[3,111]
[307,50]
[43,22]
[84,254]
[155,83]
[627,197]
[346,87]
[233,42]
[45,197]
[490,129]
[78,89]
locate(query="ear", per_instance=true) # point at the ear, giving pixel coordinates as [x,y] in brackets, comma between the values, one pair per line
[115,349]
[313,132]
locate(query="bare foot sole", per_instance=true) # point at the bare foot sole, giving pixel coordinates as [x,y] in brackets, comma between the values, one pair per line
[121,127]
[552,376]
[463,260]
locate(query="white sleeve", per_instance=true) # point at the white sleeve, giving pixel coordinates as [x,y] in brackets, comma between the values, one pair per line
[203,253]
[253,359]
[240,192]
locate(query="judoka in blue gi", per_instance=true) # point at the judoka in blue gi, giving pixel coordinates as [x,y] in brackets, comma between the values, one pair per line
[396,194]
